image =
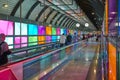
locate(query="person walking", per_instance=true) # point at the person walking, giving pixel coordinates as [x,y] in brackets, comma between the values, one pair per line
[62,40]
[4,50]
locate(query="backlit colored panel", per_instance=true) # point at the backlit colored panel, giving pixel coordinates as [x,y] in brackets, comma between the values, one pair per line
[48,30]
[62,31]
[32,29]
[41,39]
[53,31]
[58,31]
[17,42]
[32,40]
[41,30]
[78,32]
[54,38]
[23,29]
[119,17]
[58,37]
[112,62]
[17,28]
[6,27]
[24,40]
[72,32]
[9,40]
[48,38]
[65,31]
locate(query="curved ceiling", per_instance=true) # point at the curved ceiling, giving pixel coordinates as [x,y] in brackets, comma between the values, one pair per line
[94,9]
[60,13]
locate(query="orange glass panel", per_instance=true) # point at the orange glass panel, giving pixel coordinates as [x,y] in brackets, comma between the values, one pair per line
[112,61]
[48,30]
[106,17]
[41,39]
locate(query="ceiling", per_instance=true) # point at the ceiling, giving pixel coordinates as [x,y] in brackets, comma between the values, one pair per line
[60,13]
[94,9]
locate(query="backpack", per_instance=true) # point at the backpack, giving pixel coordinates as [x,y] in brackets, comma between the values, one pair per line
[0,47]
[5,53]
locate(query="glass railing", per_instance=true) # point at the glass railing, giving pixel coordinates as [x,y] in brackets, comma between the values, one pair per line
[29,52]
[41,66]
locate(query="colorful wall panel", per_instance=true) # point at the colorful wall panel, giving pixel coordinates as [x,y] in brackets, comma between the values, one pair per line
[53,31]
[112,62]
[6,27]
[58,31]
[65,31]
[48,38]
[24,29]
[17,42]
[9,40]
[41,30]
[62,31]
[17,28]
[32,29]
[24,41]
[41,39]
[48,30]
[54,38]
[32,40]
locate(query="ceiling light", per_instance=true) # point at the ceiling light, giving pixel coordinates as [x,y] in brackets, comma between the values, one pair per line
[94,18]
[117,24]
[110,18]
[5,5]
[77,25]
[113,12]
[86,24]
[93,13]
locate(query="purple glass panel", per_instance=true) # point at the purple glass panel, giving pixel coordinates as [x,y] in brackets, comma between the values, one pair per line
[112,17]
[48,38]
[41,30]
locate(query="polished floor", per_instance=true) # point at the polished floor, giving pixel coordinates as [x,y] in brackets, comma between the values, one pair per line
[83,65]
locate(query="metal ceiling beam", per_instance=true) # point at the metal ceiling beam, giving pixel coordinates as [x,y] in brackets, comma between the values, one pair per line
[51,11]
[67,23]
[71,23]
[41,12]
[60,20]
[54,17]
[64,24]
[31,9]
[16,7]
[70,16]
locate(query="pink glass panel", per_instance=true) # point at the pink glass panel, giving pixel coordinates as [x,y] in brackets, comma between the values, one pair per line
[24,40]
[6,27]
[17,42]
[58,31]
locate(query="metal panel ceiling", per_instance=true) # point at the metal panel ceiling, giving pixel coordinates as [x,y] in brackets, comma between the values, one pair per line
[38,11]
[44,14]
[35,12]
[56,18]
[24,8]
[51,16]
[11,5]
